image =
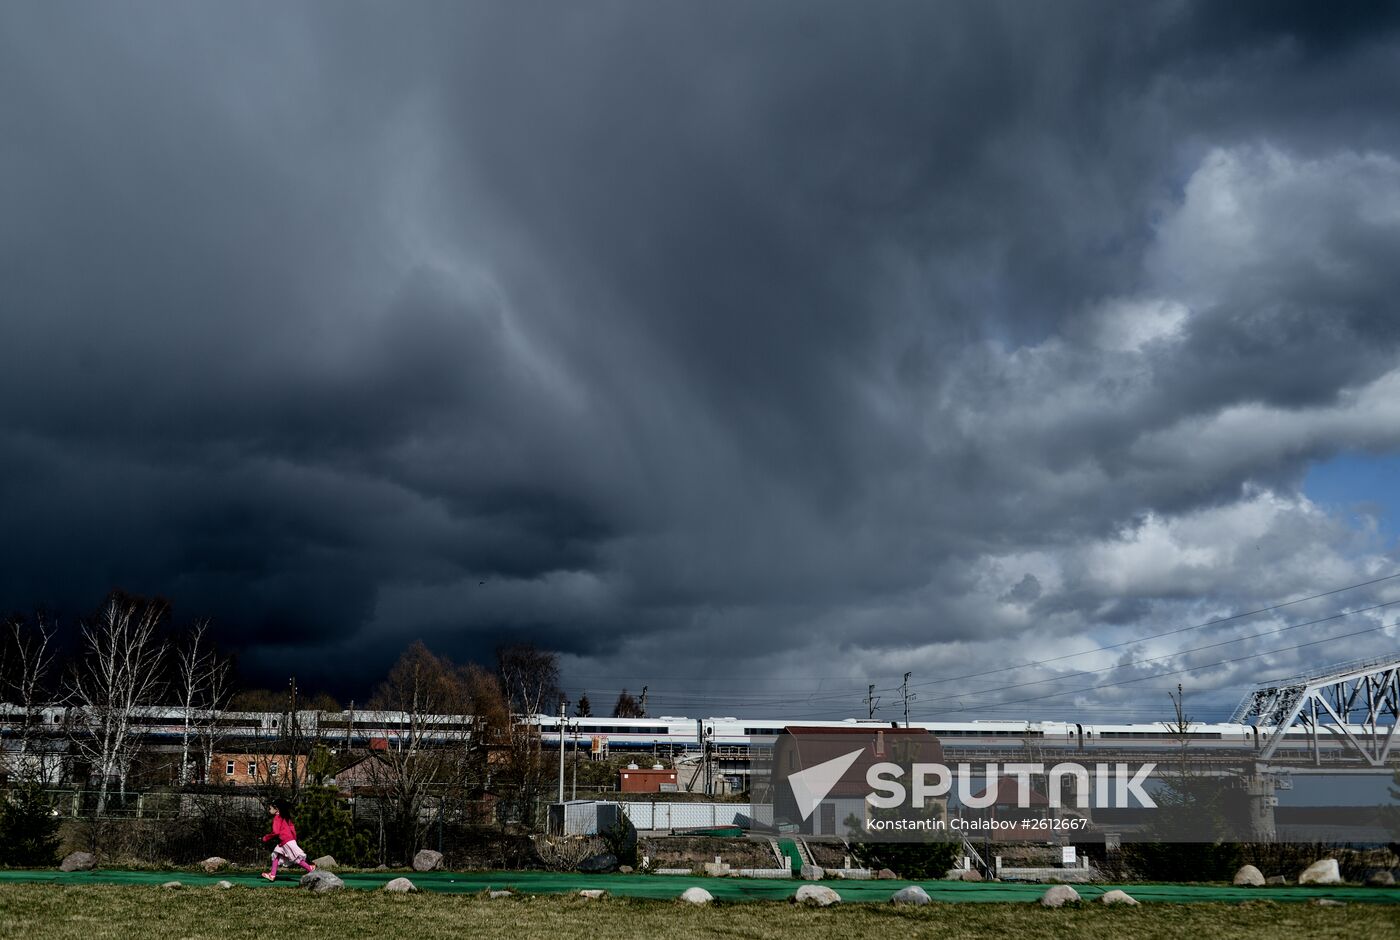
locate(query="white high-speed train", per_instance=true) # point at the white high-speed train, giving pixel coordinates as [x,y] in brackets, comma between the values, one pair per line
[359,727]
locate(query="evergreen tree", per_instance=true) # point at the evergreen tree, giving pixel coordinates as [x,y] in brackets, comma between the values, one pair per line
[28,827]
[584,709]
[324,827]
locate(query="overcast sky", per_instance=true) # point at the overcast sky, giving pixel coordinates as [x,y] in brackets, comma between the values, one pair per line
[752,352]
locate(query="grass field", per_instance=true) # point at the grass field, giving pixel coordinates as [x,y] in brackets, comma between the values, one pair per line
[48,911]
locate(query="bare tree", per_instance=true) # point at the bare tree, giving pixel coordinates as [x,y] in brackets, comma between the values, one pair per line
[431,701]
[29,656]
[529,677]
[530,681]
[114,684]
[202,675]
[627,706]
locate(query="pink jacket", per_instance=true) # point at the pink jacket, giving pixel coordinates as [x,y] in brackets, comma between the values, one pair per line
[282,830]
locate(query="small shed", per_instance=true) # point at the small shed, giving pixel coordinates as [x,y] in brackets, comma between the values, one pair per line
[634,779]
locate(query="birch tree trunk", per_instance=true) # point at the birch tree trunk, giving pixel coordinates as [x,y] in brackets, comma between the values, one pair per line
[115,682]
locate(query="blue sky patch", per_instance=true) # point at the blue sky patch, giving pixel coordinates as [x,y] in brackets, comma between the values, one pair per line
[1359,484]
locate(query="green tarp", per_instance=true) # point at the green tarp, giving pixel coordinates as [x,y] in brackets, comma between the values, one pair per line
[724,889]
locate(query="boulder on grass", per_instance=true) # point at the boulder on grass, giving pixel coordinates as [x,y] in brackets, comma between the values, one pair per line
[1117,896]
[812,873]
[1249,877]
[972,874]
[817,895]
[1323,872]
[78,861]
[214,863]
[885,874]
[1059,896]
[910,895]
[173,884]
[1327,902]
[327,862]
[427,860]
[495,895]
[596,864]
[1276,880]
[400,886]
[321,881]
[625,869]
[696,896]
[593,894]
[1380,879]
[224,885]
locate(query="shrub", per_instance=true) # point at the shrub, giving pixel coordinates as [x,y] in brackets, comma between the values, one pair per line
[28,827]
[325,827]
[913,860]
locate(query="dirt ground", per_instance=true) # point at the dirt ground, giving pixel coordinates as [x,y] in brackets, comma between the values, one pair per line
[693,851]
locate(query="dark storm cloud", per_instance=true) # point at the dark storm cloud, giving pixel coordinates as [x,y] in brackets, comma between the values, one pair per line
[659,332]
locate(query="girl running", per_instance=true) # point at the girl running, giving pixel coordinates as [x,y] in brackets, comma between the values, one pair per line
[286,835]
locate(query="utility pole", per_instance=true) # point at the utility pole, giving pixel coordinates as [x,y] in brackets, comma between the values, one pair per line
[870,700]
[563,710]
[642,703]
[709,745]
[292,733]
[904,691]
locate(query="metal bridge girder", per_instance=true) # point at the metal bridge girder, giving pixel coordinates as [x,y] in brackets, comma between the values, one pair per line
[1362,695]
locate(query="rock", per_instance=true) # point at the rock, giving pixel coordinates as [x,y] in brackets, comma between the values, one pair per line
[625,869]
[1276,880]
[1327,902]
[953,874]
[885,874]
[603,861]
[325,861]
[972,874]
[1059,896]
[224,885]
[1324,872]
[214,863]
[1380,879]
[78,861]
[715,869]
[1249,877]
[818,895]
[400,886]
[173,884]
[321,881]
[593,894]
[1117,896]
[812,873]
[910,895]
[696,896]
[496,895]
[427,860]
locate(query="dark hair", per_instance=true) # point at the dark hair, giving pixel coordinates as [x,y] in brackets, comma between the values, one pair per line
[284,809]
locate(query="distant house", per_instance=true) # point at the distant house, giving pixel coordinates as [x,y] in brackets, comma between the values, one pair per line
[244,769]
[368,771]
